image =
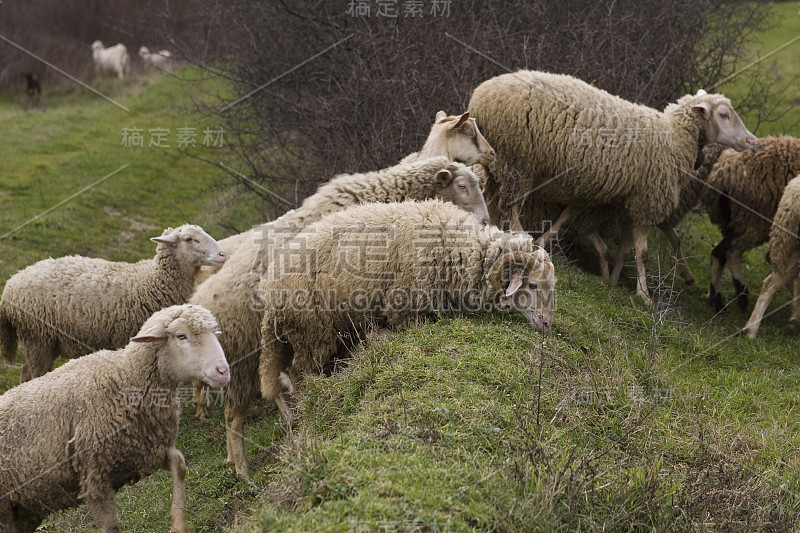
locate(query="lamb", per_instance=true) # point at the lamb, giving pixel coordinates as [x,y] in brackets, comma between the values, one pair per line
[113,59]
[161,60]
[455,137]
[388,265]
[103,421]
[577,145]
[231,294]
[743,195]
[784,258]
[75,305]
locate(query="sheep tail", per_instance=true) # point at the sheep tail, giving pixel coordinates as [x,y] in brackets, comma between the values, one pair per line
[8,338]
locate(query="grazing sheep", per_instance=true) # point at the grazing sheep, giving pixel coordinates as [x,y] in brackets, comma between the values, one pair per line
[741,199]
[231,294]
[113,59]
[577,145]
[784,258]
[388,265]
[105,420]
[456,137]
[75,305]
[161,60]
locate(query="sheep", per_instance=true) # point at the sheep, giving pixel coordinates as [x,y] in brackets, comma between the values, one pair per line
[231,293]
[388,265]
[105,420]
[578,146]
[161,60]
[784,258]
[455,137]
[113,59]
[76,305]
[742,197]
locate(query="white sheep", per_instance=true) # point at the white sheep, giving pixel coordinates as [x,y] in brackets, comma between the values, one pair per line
[102,421]
[389,265]
[76,305]
[576,145]
[455,137]
[113,59]
[784,258]
[161,60]
[231,294]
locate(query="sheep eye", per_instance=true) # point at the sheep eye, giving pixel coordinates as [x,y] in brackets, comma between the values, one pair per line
[462,187]
[181,337]
[533,285]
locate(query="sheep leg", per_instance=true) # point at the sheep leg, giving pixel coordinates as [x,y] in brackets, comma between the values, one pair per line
[680,260]
[771,284]
[625,246]
[104,511]
[567,215]
[640,251]
[200,401]
[735,266]
[234,433]
[39,359]
[719,256]
[177,466]
[602,252]
[794,320]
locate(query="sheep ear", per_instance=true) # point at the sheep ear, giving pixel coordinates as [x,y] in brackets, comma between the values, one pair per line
[172,238]
[156,333]
[701,109]
[461,120]
[515,284]
[445,177]
[440,116]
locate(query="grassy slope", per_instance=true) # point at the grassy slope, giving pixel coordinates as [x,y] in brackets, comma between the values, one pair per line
[452,436]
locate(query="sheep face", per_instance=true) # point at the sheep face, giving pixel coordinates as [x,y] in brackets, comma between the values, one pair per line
[189,349]
[193,245]
[462,187]
[144,51]
[460,139]
[724,124]
[526,283]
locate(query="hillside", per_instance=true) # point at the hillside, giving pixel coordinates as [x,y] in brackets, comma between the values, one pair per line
[620,417]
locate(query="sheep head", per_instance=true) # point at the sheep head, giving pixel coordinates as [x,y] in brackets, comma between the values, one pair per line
[458,138]
[460,185]
[721,123]
[189,349]
[525,282]
[193,246]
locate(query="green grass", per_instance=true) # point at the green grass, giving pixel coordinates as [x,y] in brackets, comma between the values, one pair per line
[769,58]
[647,419]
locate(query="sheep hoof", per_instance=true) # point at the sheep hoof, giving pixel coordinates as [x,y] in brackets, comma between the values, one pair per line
[791,327]
[202,414]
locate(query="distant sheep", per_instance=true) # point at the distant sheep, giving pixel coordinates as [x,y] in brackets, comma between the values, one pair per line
[784,258]
[161,60]
[105,420]
[231,293]
[741,199]
[388,265]
[75,305]
[457,138]
[114,59]
[576,145]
